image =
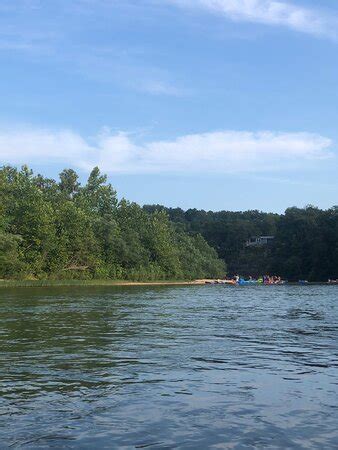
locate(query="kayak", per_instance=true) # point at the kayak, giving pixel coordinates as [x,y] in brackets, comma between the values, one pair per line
[242,282]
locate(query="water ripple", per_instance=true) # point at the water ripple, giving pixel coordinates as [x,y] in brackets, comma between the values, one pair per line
[169,367]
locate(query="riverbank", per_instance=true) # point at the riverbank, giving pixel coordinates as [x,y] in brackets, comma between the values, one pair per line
[103,283]
[61,283]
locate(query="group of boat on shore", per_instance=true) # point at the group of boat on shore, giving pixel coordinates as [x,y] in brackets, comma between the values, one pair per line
[263,280]
[240,281]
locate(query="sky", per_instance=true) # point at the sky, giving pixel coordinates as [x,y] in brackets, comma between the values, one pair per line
[208,104]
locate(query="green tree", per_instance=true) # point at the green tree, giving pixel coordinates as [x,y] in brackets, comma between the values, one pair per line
[69,184]
[10,264]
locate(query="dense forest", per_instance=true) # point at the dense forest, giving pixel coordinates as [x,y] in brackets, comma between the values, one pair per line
[305,244]
[62,230]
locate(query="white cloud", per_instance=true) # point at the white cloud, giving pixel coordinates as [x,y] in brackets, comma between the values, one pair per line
[269,12]
[157,87]
[215,152]
[23,145]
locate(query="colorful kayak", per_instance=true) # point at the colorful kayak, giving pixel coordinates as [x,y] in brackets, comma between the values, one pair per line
[242,282]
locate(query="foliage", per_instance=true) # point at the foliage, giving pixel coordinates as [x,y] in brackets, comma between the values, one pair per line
[305,245]
[62,230]
[227,232]
[10,264]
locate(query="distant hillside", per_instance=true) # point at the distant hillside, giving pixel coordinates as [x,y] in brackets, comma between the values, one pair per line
[305,244]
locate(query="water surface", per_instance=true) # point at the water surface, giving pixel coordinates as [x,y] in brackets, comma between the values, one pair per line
[191,367]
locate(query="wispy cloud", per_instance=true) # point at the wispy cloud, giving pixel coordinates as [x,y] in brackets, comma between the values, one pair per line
[158,87]
[215,152]
[25,44]
[269,12]
[124,67]
[30,27]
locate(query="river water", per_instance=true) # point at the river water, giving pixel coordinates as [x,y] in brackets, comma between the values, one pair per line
[191,367]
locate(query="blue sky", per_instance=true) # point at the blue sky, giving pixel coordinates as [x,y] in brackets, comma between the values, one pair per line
[213,104]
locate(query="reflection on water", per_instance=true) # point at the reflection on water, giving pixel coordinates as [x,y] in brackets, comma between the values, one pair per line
[169,367]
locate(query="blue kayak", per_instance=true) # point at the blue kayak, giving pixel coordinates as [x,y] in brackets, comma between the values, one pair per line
[247,282]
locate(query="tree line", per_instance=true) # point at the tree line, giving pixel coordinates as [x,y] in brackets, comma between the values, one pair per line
[305,244]
[59,229]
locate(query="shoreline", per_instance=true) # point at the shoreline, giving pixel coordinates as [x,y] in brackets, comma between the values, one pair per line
[96,283]
[124,283]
